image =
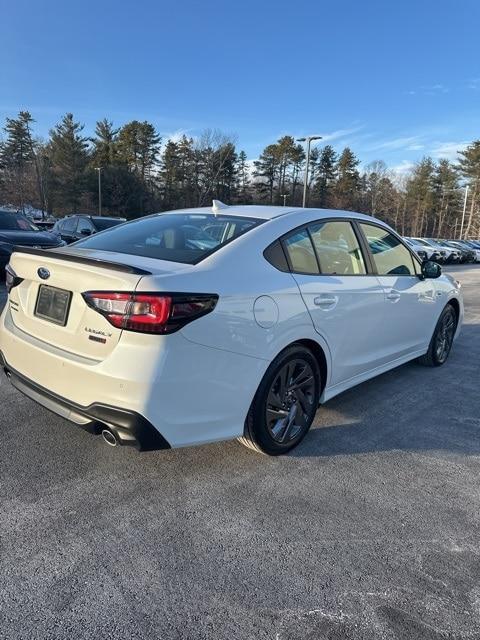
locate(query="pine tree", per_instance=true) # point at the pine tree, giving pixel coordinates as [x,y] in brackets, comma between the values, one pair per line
[347,186]
[326,173]
[138,148]
[469,166]
[105,146]
[267,170]
[420,197]
[18,157]
[242,178]
[447,199]
[69,152]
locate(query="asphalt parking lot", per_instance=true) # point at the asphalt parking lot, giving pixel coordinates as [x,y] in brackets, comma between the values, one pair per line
[370,529]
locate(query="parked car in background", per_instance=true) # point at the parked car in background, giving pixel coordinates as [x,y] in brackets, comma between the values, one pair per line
[439,254]
[45,225]
[158,333]
[468,246]
[453,255]
[424,251]
[467,254]
[78,226]
[17,230]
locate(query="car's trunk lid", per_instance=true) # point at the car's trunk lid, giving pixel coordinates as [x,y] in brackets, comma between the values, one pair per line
[85,331]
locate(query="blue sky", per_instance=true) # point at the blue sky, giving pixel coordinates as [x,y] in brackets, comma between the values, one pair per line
[394,80]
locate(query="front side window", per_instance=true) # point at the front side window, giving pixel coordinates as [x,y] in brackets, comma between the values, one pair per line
[182,237]
[391,257]
[84,224]
[301,253]
[337,248]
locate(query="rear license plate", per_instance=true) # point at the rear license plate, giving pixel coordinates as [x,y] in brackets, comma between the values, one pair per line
[53,304]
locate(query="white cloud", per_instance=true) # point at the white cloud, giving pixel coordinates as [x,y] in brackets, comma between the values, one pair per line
[411,143]
[436,88]
[175,136]
[429,90]
[447,150]
[474,84]
[402,168]
[339,133]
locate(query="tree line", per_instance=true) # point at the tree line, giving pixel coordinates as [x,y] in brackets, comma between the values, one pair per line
[141,174]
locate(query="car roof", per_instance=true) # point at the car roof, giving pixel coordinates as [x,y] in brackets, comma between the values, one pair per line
[266,212]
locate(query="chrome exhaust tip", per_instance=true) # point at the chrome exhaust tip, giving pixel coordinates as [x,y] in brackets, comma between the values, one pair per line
[110,438]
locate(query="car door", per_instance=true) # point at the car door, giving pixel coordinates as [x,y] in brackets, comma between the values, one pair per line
[69,227]
[344,300]
[84,229]
[411,303]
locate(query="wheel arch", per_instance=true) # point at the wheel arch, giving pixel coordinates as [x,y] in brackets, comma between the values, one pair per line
[453,302]
[320,357]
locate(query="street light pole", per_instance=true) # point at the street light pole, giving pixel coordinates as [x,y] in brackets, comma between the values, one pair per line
[99,169]
[464,211]
[308,140]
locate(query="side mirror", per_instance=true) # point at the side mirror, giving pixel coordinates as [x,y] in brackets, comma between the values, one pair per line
[85,232]
[431,269]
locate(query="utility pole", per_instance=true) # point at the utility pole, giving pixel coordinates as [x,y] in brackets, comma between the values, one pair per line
[99,169]
[308,140]
[464,210]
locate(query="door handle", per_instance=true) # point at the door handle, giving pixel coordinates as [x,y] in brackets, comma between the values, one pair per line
[393,296]
[325,301]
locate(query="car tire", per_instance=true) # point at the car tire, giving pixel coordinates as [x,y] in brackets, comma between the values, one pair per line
[442,339]
[285,403]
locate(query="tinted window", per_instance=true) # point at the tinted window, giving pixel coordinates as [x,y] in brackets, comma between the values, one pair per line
[300,252]
[337,248]
[15,222]
[175,237]
[69,225]
[105,223]
[390,255]
[84,223]
[276,256]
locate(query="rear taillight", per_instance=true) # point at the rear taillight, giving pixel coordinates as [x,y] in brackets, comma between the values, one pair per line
[11,278]
[150,312]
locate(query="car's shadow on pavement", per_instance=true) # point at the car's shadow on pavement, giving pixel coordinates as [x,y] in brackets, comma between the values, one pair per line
[411,408]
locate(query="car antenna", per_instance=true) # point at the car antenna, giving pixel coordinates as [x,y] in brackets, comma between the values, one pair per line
[217,206]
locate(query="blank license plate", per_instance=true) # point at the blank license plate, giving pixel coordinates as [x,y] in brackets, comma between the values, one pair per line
[53,304]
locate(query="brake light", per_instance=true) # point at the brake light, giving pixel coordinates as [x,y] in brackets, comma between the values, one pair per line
[150,312]
[11,278]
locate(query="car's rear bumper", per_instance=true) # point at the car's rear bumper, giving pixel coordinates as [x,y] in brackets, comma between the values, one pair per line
[190,393]
[130,427]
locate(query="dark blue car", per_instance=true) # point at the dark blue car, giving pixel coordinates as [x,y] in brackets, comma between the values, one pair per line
[16,229]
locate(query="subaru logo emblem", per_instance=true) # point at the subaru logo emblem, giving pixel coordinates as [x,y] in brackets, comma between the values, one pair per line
[43,273]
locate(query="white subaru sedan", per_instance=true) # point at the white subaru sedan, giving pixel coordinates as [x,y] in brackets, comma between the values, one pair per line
[199,325]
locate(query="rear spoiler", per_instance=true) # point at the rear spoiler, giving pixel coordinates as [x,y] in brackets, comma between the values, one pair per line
[71,257]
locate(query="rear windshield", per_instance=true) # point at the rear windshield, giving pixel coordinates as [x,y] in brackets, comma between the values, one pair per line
[186,237]
[15,222]
[106,223]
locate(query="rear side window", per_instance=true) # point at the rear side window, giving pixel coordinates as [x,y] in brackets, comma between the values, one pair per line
[276,256]
[187,238]
[301,253]
[69,224]
[337,248]
[391,257]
